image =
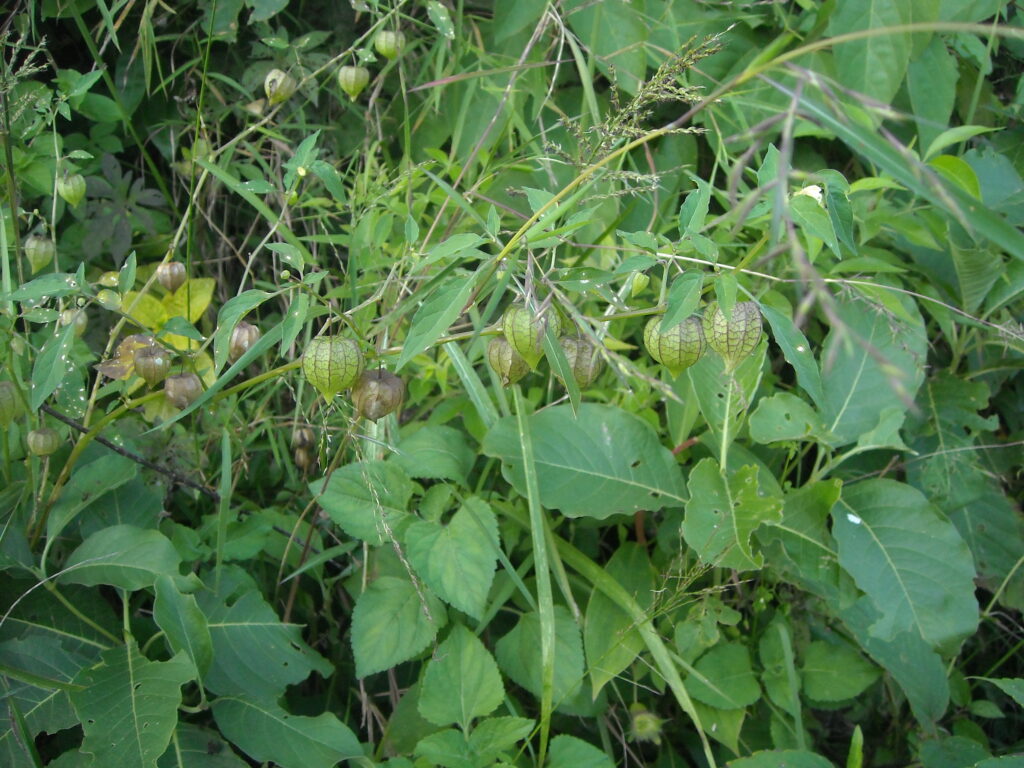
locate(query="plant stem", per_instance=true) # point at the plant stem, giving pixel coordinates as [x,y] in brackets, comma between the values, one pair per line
[724,451]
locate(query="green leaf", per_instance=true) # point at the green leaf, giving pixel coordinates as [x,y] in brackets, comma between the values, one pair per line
[447,748]
[232,311]
[51,365]
[199,748]
[694,209]
[797,351]
[876,362]
[87,484]
[254,653]
[494,735]
[683,297]
[785,417]
[122,556]
[790,758]
[610,638]
[435,315]
[916,668]
[814,221]
[909,559]
[436,452]
[711,385]
[931,85]
[461,683]
[267,733]
[183,624]
[874,66]
[722,514]
[569,752]
[365,498]
[457,560]
[730,681]
[393,622]
[518,654]
[1011,686]
[606,462]
[835,672]
[128,706]
[780,679]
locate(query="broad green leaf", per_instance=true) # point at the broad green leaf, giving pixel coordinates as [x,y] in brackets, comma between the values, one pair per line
[51,365]
[233,310]
[730,681]
[497,734]
[122,556]
[978,269]
[447,748]
[790,758]
[952,136]
[461,683]
[569,752]
[683,297]
[183,623]
[37,614]
[266,732]
[53,286]
[435,315]
[457,560]
[812,218]
[797,351]
[254,653]
[723,725]
[1011,686]
[366,498]
[436,452]
[874,66]
[36,678]
[780,678]
[606,462]
[132,699]
[615,34]
[909,559]
[834,672]
[518,654]
[916,668]
[711,385]
[694,209]
[875,361]
[931,85]
[199,748]
[393,621]
[87,484]
[722,514]
[191,299]
[610,639]
[952,752]
[785,417]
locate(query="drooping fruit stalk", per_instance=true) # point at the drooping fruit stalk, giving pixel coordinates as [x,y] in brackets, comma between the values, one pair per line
[677,348]
[332,364]
[525,330]
[734,338]
[377,393]
[505,361]
[584,359]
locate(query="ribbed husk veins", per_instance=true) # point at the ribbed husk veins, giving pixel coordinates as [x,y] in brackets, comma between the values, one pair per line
[332,364]
[388,43]
[505,361]
[677,348]
[524,331]
[171,275]
[39,251]
[243,337]
[377,393]
[733,338]
[353,80]
[279,86]
[583,358]
[71,188]
[182,389]
[152,363]
[43,441]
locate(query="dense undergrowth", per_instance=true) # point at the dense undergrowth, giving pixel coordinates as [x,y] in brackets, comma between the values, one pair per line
[806,552]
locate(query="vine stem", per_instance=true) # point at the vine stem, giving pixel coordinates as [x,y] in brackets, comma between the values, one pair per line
[724,452]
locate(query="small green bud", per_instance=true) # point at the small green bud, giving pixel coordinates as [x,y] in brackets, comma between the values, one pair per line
[644,725]
[733,338]
[332,364]
[353,80]
[389,44]
[638,284]
[109,299]
[505,361]
[677,348]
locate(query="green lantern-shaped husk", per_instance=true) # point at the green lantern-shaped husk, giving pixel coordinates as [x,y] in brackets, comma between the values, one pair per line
[505,361]
[182,389]
[389,44]
[39,251]
[43,441]
[152,364]
[71,187]
[10,404]
[332,364]
[584,359]
[279,87]
[377,393]
[733,338]
[677,348]
[353,80]
[525,330]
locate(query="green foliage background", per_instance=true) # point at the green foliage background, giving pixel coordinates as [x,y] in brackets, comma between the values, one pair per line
[811,558]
